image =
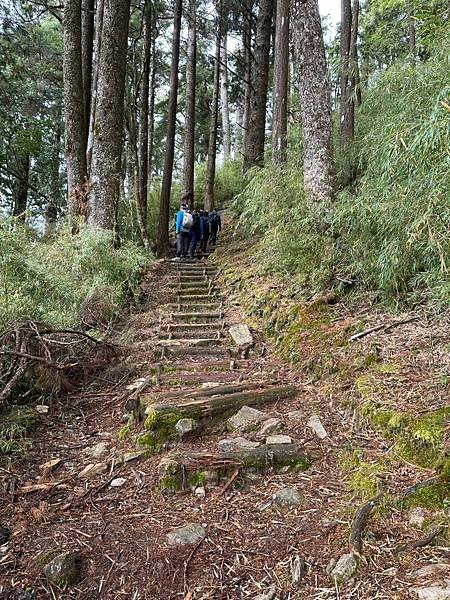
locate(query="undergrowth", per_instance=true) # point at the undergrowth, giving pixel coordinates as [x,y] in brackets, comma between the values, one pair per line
[47,280]
[388,233]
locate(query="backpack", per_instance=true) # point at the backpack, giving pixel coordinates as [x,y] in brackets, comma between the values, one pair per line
[214,218]
[188,221]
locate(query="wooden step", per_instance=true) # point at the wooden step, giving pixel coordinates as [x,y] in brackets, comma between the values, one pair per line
[161,398]
[197,316]
[195,327]
[169,367]
[188,342]
[193,351]
[188,335]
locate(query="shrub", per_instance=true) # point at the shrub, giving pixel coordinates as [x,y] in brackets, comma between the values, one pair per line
[47,280]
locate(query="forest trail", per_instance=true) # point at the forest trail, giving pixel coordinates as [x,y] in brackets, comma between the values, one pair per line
[171,504]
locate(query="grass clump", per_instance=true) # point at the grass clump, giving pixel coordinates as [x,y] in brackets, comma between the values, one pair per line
[15,429]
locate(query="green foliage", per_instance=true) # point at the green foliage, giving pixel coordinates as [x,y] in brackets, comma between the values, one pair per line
[228,183]
[47,280]
[15,428]
[391,232]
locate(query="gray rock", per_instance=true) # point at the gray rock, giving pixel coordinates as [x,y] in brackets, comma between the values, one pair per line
[296,415]
[270,594]
[298,569]
[287,497]
[316,425]
[22,594]
[93,469]
[185,426]
[187,535]
[344,569]
[62,570]
[278,439]
[429,570]
[434,592]
[246,419]
[131,456]
[98,450]
[118,482]
[416,516]
[272,425]
[236,444]
[241,335]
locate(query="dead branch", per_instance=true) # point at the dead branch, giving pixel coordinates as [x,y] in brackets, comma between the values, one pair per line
[385,326]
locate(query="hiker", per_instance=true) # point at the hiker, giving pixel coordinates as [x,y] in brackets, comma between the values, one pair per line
[183,225]
[216,225]
[204,231]
[196,232]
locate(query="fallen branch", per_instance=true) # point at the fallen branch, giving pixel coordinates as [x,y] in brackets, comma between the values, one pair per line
[385,326]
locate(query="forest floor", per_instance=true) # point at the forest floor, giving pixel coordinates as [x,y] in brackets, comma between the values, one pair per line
[116,522]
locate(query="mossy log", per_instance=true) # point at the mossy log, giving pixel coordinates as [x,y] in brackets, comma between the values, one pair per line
[183,471]
[202,404]
[216,390]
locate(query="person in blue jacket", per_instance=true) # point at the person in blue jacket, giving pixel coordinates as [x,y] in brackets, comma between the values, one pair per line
[204,230]
[183,225]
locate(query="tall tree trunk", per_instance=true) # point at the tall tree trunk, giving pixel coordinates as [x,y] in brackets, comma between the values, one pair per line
[166,184]
[212,145]
[21,190]
[189,133]
[107,148]
[315,100]
[346,25]
[74,112]
[239,129]
[280,83]
[97,51]
[254,151]
[143,125]
[247,43]
[224,99]
[353,69]
[51,210]
[151,112]
[87,42]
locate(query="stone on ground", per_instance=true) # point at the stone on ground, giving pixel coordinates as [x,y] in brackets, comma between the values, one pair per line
[185,426]
[118,482]
[316,425]
[278,439]
[236,444]
[246,419]
[434,569]
[296,415]
[130,456]
[241,335]
[433,592]
[298,569]
[287,497]
[416,516]
[270,594]
[271,426]
[98,450]
[187,535]
[62,570]
[344,569]
[93,469]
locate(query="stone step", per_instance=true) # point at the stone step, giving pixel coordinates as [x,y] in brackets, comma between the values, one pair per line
[214,326]
[197,317]
[193,351]
[205,366]
[197,379]
[190,283]
[198,298]
[211,341]
[188,335]
[196,307]
[184,279]
[201,290]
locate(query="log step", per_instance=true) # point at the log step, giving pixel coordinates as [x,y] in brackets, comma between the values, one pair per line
[193,350]
[195,327]
[219,390]
[188,335]
[195,379]
[169,367]
[188,342]
[201,406]
[202,290]
[202,297]
[197,316]
[180,471]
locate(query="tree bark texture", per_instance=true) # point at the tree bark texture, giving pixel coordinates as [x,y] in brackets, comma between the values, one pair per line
[96,60]
[87,49]
[224,99]
[189,133]
[248,58]
[151,111]
[143,124]
[108,131]
[255,138]
[353,67]
[212,145]
[411,34]
[166,184]
[74,112]
[315,100]
[239,129]
[280,83]
[345,110]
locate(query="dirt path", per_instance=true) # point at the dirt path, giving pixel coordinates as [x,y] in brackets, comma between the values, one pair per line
[116,516]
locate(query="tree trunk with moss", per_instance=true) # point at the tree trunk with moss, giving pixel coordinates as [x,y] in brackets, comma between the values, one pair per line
[189,134]
[280,83]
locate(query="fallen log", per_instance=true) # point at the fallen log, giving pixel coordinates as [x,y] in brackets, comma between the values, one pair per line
[204,405]
[188,470]
[217,390]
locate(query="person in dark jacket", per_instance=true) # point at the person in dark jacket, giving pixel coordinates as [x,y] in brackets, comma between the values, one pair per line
[215,224]
[204,230]
[196,233]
